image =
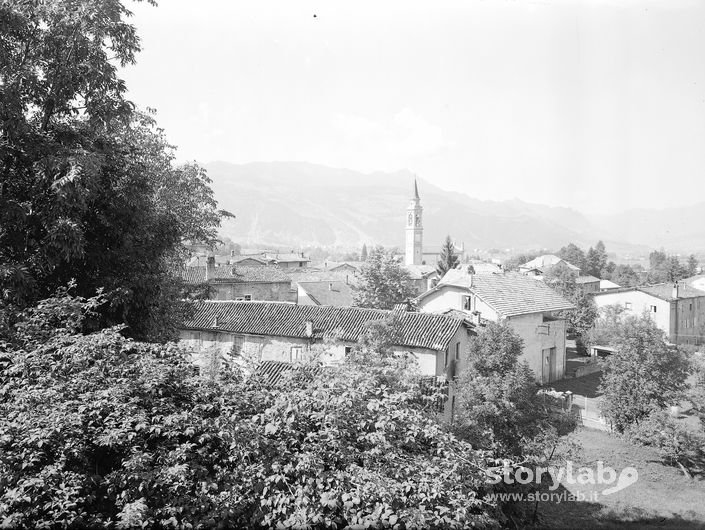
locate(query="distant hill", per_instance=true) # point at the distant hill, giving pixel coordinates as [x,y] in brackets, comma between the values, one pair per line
[300,204]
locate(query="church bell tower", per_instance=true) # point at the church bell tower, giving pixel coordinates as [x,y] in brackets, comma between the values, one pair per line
[414,230]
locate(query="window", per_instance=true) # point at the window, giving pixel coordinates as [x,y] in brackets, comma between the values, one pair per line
[627,305]
[248,298]
[445,359]
[238,343]
[297,353]
[467,303]
[653,308]
[457,351]
[348,350]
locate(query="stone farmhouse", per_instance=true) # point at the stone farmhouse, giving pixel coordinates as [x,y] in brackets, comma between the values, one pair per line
[676,308]
[281,332]
[242,283]
[530,307]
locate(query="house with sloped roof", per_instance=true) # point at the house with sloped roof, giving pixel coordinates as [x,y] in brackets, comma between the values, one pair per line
[676,308]
[291,260]
[539,265]
[588,284]
[274,331]
[242,283]
[530,307]
[335,293]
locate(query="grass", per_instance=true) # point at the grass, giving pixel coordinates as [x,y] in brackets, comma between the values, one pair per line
[661,498]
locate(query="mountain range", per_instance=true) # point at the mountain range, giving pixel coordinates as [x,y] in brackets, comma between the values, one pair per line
[298,204]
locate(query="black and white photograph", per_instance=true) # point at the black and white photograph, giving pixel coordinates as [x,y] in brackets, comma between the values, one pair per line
[334,264]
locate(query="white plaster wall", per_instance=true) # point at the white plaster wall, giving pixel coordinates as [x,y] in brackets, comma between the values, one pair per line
[640,302]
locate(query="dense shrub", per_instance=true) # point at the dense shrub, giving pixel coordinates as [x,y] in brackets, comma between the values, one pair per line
[676,444]
[98,430]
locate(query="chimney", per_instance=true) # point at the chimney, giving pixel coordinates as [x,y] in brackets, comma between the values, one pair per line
[309,328]
[210,267]
[232,253]
[675,290]
[215,321]
[347,281]
[330,286]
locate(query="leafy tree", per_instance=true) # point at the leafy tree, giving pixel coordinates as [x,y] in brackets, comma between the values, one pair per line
[596,260]
[562,279]
[692,267]
[88,188]
[101,431]
[625,276]
[578,320]
[645,374]
[363,253]
[383,282]
[573,255]
[448,259]
[513,262]
[664,268]
[497,406]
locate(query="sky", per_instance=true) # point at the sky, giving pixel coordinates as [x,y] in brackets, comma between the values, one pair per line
[595,105]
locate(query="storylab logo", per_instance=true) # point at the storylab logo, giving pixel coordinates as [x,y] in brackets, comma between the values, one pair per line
[601,475]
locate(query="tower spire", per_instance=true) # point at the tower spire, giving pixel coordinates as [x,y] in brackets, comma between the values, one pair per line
[416,189]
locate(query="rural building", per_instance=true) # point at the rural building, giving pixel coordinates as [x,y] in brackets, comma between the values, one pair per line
[587,284]
[334,293]
[242,283]
[676,308]
[530,307]
[608,285]
[271,331]
[345,267]
[538,266]
[291,260]
[423,277]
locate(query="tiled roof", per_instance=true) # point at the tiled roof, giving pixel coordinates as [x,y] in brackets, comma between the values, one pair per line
[286,258]
[420,272]
[547,260]
[332,266]
[607,284]
[272,373]
[696,282]
[586,279]
[234,274]
[509,294]
[276,319]
[335,293]
[513,294]
[664,291]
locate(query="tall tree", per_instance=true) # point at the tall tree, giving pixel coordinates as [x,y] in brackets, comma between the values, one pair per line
[448,259]
[574,255]
[596,260]
[692,267]
[363,253]
[644,374]
[88,188]
[383,282]
[625,276]
[562,279]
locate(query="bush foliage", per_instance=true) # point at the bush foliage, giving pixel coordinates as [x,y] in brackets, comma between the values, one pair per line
[99,430]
